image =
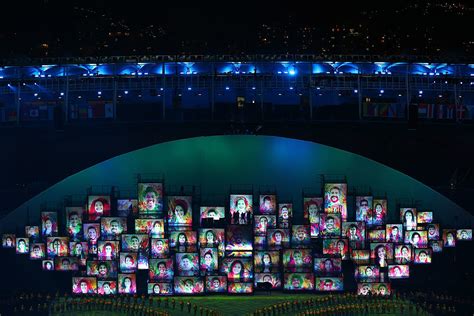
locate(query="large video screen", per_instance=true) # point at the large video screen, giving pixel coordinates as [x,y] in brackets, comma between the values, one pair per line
[367,273]
[423,256]
[328,284]
[155,228]
[216,284]
[312,208]
[382,289]
[84,285]
[363,208]
[57,246]
[66,264]
[239,238]
[161,270]
[298,281]
[135,242]
[241,209]
[335,195]
[49,224]
[273,279]
[400,271]
[336,247]
[394,233]
[107,287]
[285,214]
[127,207]
[240,288]
[381,253]
[278,238]
[212,238]
[74,217]
[262,223]
[424,217]
[180,212]
[92,232]
[108,250]
[267,204]
[102,269]
[237,269]
[297,260]
[32,232]
[79,249]
[183,241]
[22,245]
[217,213]
[128,262]
[37,251]
[98,206]
[330,225]
[8,241]
[267,261]
[188,285]
[464,234]
[209,261]
[327,266]
[378,214]
[417,238]
[449,238]
[408,218]
[188,264]
[112,227]
[433,231]
[354,231]
[150,198]
[300,237]
[160,248]
[403,253]
[127,283]
[160,289]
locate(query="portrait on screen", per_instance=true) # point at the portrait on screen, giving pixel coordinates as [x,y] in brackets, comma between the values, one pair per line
[135,242]
[401,271]
[127,207]
[433,231]
[127,283]
[208,261]
[365,289]
[102,269]
[49,224]
[327,266]
[449,238]
[92,232]
[312,207]
[57,246]
[300,236]
[142,258]
[394,233]
[262,222]
[160,248]
[335,199]
[408,218]
[423,256]
[298,281]
[239,238]
[330,225]
[336,247]
[98,206]
[183,241]
[417,238]
[216,284]
[381,253]
[464,234]
[8,241]
[363,208]
[278,238]
[267,205]
[285,214]
[160,288]
[266,261]
[240,288]
[112,227]
[187,264]
[84,285]
[215,212]
[273,278]
[37,251]
[155,228]
[354,231]
[150,198]
[237,269]
[241,209]
[367,273]
[66,264]
[360,256]
[376,235]
[188,285]
[79,249]
[424,217]
[128,262]
[379,211]
[403,253]
[47,265]
[108,250]
[107,287]
[297,260]
[74,222]
[161,270]
[260,242]
[328,284]
[212,238]
[32,232]
[436,245]
[180,211]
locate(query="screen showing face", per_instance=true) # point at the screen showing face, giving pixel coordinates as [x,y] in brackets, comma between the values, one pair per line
[403,253]
[297,260]
[241,209]
[464,234]
[160,248]
[188,264]
[394,233]
[8,241]
[161,270]
[300,237]
[267,204]
[127,207]
[329,284]
[378,214]
[423,256]
[367,273]
[262,223]
[108,250]
[107,287]
[365,289]
[128,262]
[381,253]
[449,237]
[183,241]
[127,283]
[142,258]
[180,211]
[155,228]
[354,231]
[237,269]
[32,232]
[112,227]
[408,218]
[37,251]
[399,271]
[298,281]
[327,266]
[376,235]
[22,245]
[47,265]
[57,246]
[216,284]
[417,238]
[239,238]
[433,231]
[102,269]
[267,261]
[49,224]
[278,238]
[330,225]
[150,198]
[84,285]
[424,217]
[98,206]
[363,208]
[274,279]
[135,242]
[240,288]
[208,261]
[285,214]
[79,249]
[336,247]
[92,232]
[188,285]
[160,288]
[312,207]
[212,238]
[436,245]
[66,264]
[215,212]
[74,222]
[335,199]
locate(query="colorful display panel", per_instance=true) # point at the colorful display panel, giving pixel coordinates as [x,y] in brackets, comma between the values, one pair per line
[449,238]
[312,208]
[262,223]
[92,232]
[161,270]
[239,238]
[273,279]
[381,253]
[127,207]
[237,269]
[180,211]
[329,284]
[160,289]
[84,285]
[127,283]
[394,233]
[47,265]
[150,199]
[335,202]
[363,208]
[464,234]
[297,260]
[49,224]
[240,288]
[108,250]
[155,228]
[433,231]
[267,204]
[300,237]
[8,241]
[327,266]
[285,214]
[188,264]
[398,271]
[128,262]
[278,238]
[160,248]
[217,213]
[188,285]
[212,238]
[417,238]
[336,247]
[367,273]
[424,217]
[135,242]
[98,206]
[354,231]
[330,225]
[403,253]
[241,209]
[267,261]
[102,269]
[37,251]
[74,217]
[57,246]
[183,241]
[107,287]
[22,246]
[32,232]
[298,281]
[66,264]
[423,256]
[378,214]
[382,289]
[209,263]
[216,284]
[112,227]
[408,218]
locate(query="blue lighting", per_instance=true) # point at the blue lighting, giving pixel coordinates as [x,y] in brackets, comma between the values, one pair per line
[99,92]
[420,92]
[253,88]
[292,72]
[356,91]
[189,88]
[382,91]
[125,92]
[291,88]
[62,93]
[227,88]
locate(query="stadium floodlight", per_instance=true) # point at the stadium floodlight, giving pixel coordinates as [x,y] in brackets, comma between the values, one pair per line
[253,88]
[292,72]
[356,91]
[61,94]
[420,92]
[189,88]
[227,88]
[125,92]
[382,91]
[291,88]
[99,92]
[36,94]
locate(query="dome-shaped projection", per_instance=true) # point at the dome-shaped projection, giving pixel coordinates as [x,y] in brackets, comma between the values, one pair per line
[215,163]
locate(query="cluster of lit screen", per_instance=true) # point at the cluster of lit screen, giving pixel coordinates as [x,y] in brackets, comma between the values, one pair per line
[235,249]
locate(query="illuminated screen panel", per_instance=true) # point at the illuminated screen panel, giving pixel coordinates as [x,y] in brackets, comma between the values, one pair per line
[108,250]
[127,283]
[112,227]
[327,266]
[237,269]
[102,269]
[449,238]
[433,231]
[161,270]
[79,249]
[107,287]
[84,285]
[297,260]
[240,288]
[464,234]
[423,256]
[239,238]
[216,284]
[408,218]
[300,236]
[92,232]
[215,212]
[417,238]
[49,224]
[328,284]
[127,207]
[336,247]
[98,206]
[260,242]
[180,212]
[66,264]
[330,225]
[335,195]
[394,233]
[128,262]
[142,260]
[285,214]
[208,261]
[398,271]
[57,246]
[32,232]
[436,245]
[155,228]
[267,204]
[74,216]
[298,281]
[188,264]
[424,217]
[354,231]
[378,214]
[376,234]
[262,223]
[367,273]
[188,285]
[8,241]
[183,241]
[267,261]
[381,252]
[212,238]
[160,289]
[312,207]
[150,198]
[241,209]
[360,256]
[273,278]
[363,208]
[278,238]
[135,242]
[160,248]
[47,265]
[403,253]
[365,289]
[37,251]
